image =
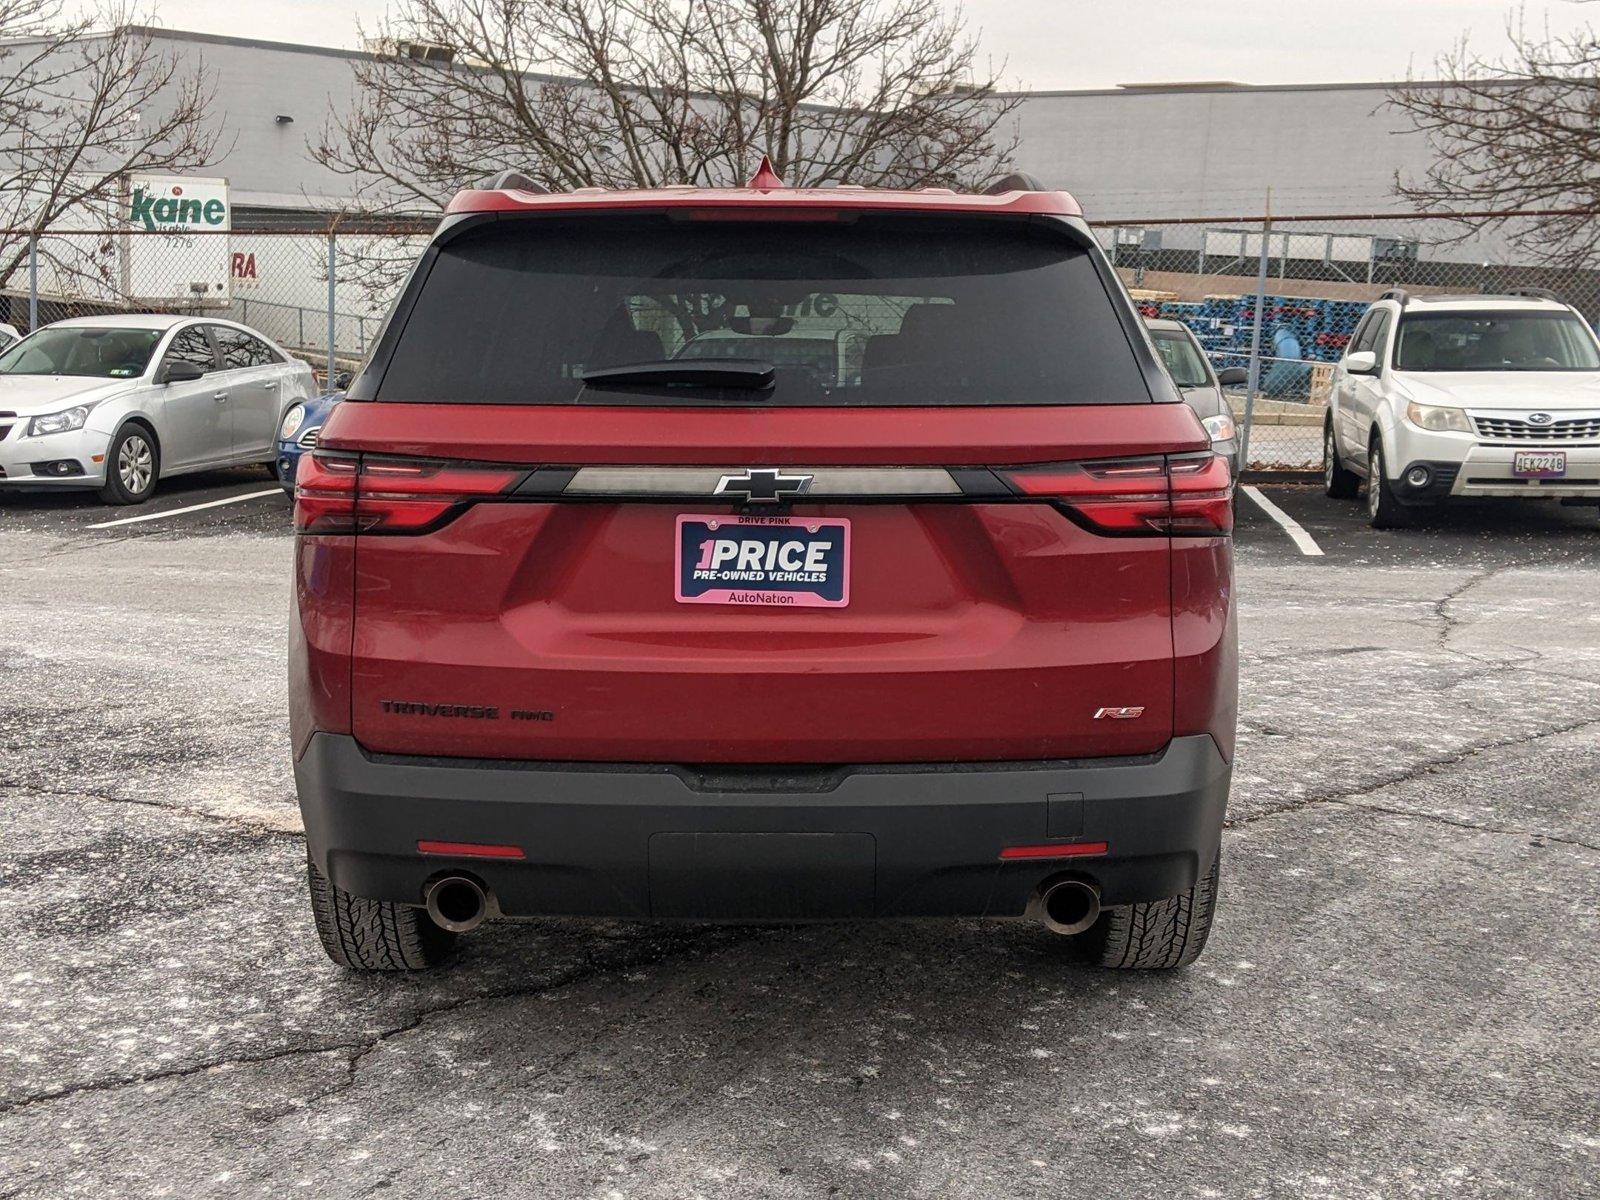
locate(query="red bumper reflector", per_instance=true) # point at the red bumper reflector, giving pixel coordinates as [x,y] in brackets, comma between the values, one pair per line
[470,850]
[1057,850]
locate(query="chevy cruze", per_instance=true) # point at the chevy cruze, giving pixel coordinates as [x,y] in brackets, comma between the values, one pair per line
[116,403]
[761,554]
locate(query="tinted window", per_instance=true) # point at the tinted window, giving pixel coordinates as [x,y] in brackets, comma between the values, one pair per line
[880,312]
[92,351]
[1379,334]
[240,349]
[193,346]
[1491,341]
[1362,340]
[1181,358]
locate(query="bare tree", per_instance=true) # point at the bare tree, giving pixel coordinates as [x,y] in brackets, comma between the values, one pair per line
[83,103]
[620,93]
[1516,132]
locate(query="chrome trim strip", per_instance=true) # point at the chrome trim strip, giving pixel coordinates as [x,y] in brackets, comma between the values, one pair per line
[703,481]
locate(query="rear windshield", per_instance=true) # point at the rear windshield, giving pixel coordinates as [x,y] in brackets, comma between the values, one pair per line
[1495,341]
[875,313]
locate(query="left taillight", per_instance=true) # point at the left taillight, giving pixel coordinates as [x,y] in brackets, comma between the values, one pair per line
[364,494]
[1177,495]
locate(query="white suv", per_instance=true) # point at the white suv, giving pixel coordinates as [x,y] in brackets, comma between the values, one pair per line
[1444,396]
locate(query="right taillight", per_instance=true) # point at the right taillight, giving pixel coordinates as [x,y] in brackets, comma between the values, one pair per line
[1169,495]
[347,493]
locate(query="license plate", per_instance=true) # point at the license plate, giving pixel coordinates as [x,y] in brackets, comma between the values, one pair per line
[763,562]
[1539,464]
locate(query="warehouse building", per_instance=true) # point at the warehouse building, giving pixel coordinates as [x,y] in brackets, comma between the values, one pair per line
[1147,155]
[1136,152]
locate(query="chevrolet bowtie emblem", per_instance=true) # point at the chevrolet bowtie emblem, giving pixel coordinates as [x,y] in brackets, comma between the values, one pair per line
[762,485]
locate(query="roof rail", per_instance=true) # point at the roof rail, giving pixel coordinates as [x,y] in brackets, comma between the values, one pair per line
[1397,294]
[514,181]
[1534,293]
[1017,181]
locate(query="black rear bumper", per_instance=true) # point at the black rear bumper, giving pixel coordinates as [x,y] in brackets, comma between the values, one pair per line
[629,840]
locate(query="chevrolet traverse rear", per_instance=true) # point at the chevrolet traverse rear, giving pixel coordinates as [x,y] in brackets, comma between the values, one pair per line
[762,554]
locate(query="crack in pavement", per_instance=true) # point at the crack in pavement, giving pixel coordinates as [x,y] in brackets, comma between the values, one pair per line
[1441,607]
[240,824]
[359,1050]
[1459,824]
[1427,767]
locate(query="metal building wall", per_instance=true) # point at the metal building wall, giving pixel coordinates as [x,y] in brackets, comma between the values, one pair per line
[1195,152]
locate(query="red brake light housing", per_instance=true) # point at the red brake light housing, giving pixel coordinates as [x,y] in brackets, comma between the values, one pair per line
[367,494]
[1177,495]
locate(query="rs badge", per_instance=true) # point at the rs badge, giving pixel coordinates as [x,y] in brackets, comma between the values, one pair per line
[1118,714]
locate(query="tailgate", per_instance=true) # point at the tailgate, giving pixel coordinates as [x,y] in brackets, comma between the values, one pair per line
[553,624]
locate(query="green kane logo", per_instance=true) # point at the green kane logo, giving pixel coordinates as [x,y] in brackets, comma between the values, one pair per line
[157,212]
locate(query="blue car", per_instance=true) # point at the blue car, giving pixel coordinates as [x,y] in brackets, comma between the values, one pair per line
[298,434]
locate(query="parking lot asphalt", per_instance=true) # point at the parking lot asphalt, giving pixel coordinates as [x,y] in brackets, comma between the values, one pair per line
[1398,998]
[235,500]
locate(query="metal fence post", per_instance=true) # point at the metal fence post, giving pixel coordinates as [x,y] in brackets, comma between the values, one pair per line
[1255,338]
[33,282]
[333,246]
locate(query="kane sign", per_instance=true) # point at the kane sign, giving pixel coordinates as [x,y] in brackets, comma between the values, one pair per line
[162,204]
[177,249]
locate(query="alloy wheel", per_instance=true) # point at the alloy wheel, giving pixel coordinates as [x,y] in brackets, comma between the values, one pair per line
[1374,480]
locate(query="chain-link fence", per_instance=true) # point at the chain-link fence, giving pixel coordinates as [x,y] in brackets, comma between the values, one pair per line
[324,295]
[320,295]
[1310,279]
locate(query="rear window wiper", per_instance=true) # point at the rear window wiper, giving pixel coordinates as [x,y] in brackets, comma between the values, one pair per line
[746,373]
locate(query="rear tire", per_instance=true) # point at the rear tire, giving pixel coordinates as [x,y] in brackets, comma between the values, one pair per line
[1157,935]
[1384,510]
[374,935]
[1337,480]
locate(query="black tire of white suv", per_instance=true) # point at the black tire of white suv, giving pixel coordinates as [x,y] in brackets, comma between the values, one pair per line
[1384,510]
[1157,935]
[374,935]
[1337,480]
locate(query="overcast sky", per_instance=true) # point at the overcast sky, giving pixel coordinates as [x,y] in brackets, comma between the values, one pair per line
[1081,43]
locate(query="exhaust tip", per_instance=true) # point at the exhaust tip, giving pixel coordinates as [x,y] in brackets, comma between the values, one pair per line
[457,903]
[1068,906]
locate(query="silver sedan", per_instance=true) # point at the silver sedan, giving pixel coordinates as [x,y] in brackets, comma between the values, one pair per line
[118,402]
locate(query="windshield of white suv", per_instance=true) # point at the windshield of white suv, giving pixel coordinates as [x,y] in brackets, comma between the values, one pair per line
[871,312]
[1181,359]
[91,351]
[1494,341]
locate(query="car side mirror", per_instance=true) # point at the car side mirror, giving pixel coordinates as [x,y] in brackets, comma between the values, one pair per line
[1362,362]
[341,381]
[1233,376]
[181,371]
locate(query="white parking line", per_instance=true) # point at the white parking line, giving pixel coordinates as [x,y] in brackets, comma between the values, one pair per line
[1304,540]
[178,512]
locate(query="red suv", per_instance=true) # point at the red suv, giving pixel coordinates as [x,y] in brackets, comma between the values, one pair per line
[763,554]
